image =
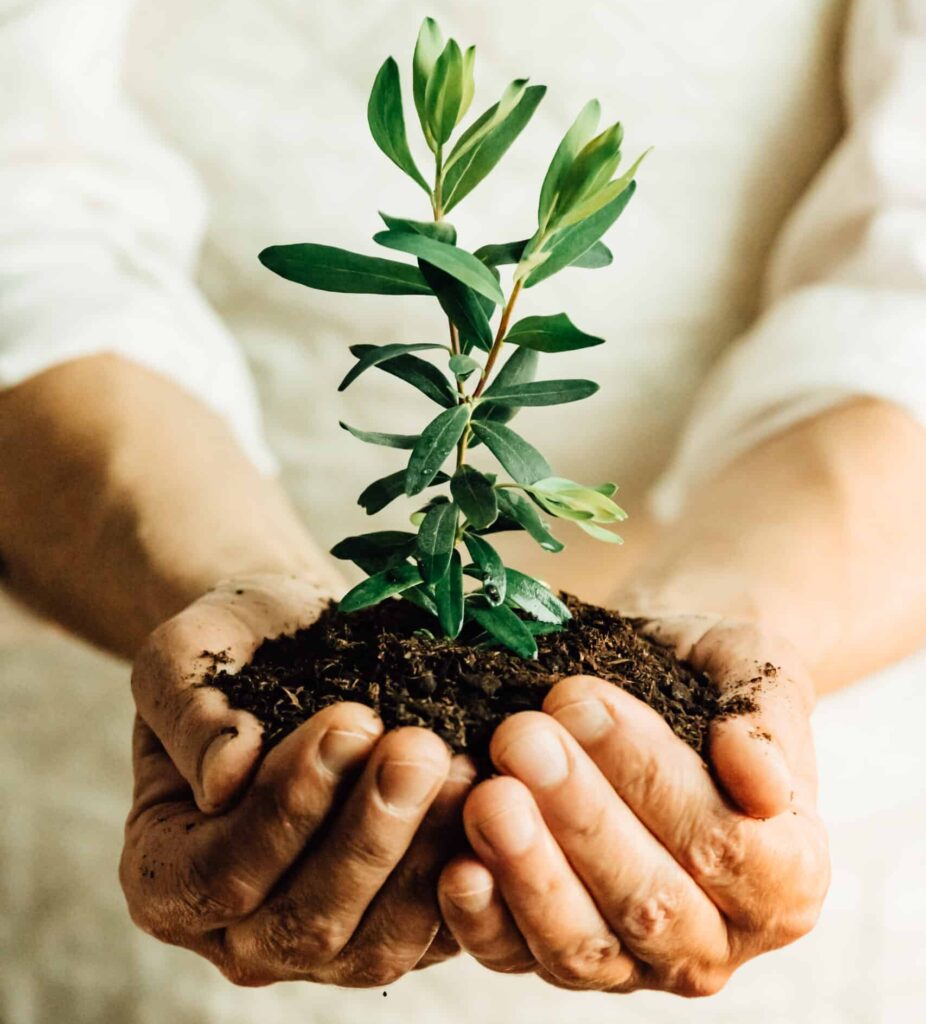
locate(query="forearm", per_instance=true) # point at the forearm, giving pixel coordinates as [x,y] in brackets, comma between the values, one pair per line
[817,535]
[122,498]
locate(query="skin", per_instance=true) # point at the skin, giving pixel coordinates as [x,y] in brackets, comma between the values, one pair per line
[311,863]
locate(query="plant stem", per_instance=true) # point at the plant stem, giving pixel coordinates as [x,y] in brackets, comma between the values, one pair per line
[499,339]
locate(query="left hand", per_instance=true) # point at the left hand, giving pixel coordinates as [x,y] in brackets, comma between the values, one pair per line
[607,857]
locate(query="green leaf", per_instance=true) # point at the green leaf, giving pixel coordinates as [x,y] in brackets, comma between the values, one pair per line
[384,542]
[444,93]
[437,441]
[600,533]
[520,459]
[504,625]
[522,512]
[442,230]
[420,374]
[436,541]
[593,203]
[377,354]
[387,121]
[520,368]
[494,580]
[380,586]
[569,500]
[336,270]
[474,493]
[543,392]
[462,306]
[469,82]
[590,171]
[511,252]
[422,597]
[457,262]
[578,135]
[463,366]
[382,492]
[569,245]
[417,517]
[448,594]
[486,122]
[427,50]
[550,334]
[466,173]
[406,441]
[537,600]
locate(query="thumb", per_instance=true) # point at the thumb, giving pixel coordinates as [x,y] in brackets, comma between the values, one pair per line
[214,747]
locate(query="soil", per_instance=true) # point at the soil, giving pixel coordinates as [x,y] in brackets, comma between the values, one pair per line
[386,658]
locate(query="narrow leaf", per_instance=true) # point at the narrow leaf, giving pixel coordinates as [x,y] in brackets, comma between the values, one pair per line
[520,368]
[486,122]
[537,600]
[387,121]
[437,441]
[520,459]
[382,492]
[463,367]
[474,493]
[421,597]
[543,392]
[590,171]
[462,305]
[466,174]
[448,595]
[436,541]
[550,334]
[457,262]
[444,93]
[522,512]
[380,586]
[406,441]
[329,269]
[427,50]
[420,374]
[511,252]
[595,201]
[376,354]
[569,245]
[374,544]
[600,533]
[442,230]
[505,626]
[494,580]
[469,82]
[595,258]
[578,135]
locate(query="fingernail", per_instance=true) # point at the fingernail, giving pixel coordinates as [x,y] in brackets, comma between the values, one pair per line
[341,749]
[405,785]
[208,764]
[510,831]
[586,720]
[472,902]
[537,758]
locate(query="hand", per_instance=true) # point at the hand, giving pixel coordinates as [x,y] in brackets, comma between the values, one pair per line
[607,857]
[326,868]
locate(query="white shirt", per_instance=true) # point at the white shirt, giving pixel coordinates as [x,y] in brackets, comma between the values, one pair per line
[772,263]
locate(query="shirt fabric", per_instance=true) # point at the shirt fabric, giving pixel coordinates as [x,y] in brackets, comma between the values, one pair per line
[772,263]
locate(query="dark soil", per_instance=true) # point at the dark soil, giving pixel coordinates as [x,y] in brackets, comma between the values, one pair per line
[383,657]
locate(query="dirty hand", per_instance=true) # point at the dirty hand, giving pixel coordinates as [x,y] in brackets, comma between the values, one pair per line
[324,868]
[607,857]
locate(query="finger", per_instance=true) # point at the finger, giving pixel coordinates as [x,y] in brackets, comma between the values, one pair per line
[403,919]
[734,858]
[761,746]
[653,906]
[185,873]
[554,912]
[476,914]
[215,747]
[312,918]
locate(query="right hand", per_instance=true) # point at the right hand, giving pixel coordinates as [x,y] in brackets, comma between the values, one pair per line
[326,868]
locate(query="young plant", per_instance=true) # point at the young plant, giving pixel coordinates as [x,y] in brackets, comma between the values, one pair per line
[579,201]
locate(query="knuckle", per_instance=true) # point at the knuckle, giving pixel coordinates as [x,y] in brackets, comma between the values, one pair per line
[214,897]
[376,972]
[696,980]
[367,851]
[719,852]
[298,942]
[586,964]
[244,975]
[797,922]
[652,916]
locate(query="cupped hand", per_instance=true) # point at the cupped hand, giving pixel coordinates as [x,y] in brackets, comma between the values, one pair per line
[607,856]
[318,862]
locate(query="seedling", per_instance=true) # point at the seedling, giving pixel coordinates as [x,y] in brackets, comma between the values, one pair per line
[580,199]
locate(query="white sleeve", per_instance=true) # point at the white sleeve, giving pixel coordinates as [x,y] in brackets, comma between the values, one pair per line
[845,298]
[100,224]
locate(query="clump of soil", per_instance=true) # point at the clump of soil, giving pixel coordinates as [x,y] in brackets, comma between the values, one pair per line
[386,658]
